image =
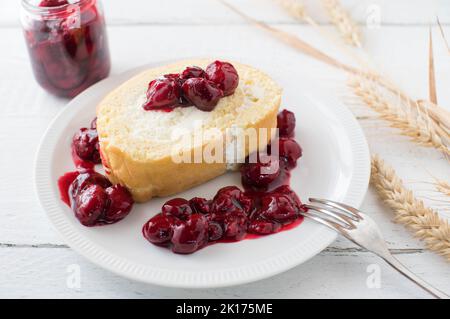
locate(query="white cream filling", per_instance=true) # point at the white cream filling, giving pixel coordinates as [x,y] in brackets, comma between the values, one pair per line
[172,127]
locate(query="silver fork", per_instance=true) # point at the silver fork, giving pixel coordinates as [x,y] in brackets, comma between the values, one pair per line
[363,231]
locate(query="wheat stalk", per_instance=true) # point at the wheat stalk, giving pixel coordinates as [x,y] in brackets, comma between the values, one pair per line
[431,73]
[423,221]
[415,125]
[442,187]
[443,34]
[348,29]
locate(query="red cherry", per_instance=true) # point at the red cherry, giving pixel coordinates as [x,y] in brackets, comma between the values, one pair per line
[289,151]
[177,207]
[230,199]
[162,93]
[86,145]
[202,93]
[192,72]
[224,75]
[286,190]
[120,203]
[263,227]
[215,231]
[190,235]
[286,123]
[85,179]
[158,230]
[235,225]
[199,205]
[90,205]
[260,174]
[278,207]
[229,208]
[53,3]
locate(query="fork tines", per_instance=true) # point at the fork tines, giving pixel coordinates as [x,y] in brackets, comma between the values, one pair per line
[332,214]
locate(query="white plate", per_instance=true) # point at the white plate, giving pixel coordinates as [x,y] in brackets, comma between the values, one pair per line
[335,165]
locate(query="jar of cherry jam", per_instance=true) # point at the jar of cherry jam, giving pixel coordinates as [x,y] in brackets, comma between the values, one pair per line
[67,43]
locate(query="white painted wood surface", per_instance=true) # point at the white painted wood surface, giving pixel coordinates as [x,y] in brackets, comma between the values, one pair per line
[34,261]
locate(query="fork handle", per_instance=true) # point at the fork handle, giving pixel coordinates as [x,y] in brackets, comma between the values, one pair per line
[391,260]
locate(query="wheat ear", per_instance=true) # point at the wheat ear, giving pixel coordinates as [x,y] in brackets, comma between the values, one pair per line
[294,8]
[442,187]
[410,211]
[348,29]
[415,125]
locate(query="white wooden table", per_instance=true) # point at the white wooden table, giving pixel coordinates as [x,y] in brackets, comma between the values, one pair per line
[35,262]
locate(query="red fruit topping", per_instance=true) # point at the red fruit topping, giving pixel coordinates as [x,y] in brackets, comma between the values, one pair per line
[119,205]
[279,207]
[202,93]
[286,190]
[192,72]
[177,207]
[90,204]
[289,151]
[260,174]
[193,86]
[224,75]
[162,93]
[199,205]
[86,145]
[235,225]
[215,231]
[230,200]
[286,123]
[229,208]
[85,179]
[158,230]
[53,3]
[190,235]
[263,227]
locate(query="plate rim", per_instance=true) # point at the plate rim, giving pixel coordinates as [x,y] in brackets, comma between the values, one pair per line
[185,279]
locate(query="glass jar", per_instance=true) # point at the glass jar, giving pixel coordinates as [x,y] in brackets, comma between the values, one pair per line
[67,44]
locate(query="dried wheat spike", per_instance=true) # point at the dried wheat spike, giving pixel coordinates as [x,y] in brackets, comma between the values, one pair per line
[442,187]
[410,211]
[348,29]
[294,8]
[411,122]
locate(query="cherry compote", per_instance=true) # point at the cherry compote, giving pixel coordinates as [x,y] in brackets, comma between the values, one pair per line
[67,44]
[92,197]
[192,87]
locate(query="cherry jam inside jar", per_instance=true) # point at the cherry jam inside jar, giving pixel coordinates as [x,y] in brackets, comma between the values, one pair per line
[67,43]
